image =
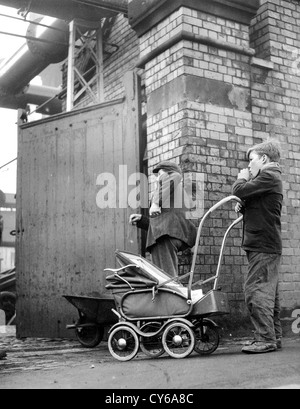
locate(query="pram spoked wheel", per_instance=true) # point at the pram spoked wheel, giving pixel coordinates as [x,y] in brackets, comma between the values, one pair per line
[207,338]
[178,340]
[123,343]
[152,346]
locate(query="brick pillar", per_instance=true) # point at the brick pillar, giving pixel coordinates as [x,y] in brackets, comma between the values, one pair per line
[276,113]
[197,77]
[196,56]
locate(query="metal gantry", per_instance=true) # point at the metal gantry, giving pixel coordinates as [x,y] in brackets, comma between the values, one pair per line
[85,64]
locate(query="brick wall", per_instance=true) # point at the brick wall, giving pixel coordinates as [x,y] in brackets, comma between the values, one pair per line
[275,34]
[119,62]
[199,114]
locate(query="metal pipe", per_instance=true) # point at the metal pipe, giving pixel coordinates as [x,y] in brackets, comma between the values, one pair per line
[46,98]
[52,46]
[43,47]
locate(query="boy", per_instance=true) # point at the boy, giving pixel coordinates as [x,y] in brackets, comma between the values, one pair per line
[260,187]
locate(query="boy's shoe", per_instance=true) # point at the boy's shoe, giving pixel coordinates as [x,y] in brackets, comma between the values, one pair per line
[3,354]
[259,348]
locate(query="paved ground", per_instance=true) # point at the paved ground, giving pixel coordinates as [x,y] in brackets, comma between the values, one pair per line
[64,364]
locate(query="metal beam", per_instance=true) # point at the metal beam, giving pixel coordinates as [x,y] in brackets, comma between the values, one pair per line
[71,64]
[85,75]
[100,78]
[38,40]
[6,164]
[69,9]
[120,6]
[32,22]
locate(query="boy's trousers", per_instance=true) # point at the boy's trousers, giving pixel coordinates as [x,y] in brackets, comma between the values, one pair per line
[262,295]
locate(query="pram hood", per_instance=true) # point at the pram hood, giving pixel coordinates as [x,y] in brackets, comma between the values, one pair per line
[140,273]
[144,274]
[132,287]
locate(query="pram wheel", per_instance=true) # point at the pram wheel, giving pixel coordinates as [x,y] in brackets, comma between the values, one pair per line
[178,340]
[123,343]
[152,346]
[207,338]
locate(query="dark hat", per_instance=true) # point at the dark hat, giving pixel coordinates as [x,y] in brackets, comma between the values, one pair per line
[167,166]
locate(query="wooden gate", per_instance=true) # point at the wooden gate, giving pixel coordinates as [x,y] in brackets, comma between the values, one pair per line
[65,238]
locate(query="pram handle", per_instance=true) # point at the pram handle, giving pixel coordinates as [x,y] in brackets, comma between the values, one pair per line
[222,202]
[203,282]
[211,210]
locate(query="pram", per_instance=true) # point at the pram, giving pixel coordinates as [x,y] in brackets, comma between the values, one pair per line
[158,313]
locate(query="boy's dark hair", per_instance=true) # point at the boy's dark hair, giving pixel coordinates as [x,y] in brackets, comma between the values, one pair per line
[269,148]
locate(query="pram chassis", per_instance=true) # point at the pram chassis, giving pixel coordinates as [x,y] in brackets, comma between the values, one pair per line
[169,334]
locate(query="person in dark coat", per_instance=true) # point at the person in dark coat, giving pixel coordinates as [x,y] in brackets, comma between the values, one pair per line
[169,228]
[260,187]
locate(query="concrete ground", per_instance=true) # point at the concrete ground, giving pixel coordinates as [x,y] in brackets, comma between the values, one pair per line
[65,364]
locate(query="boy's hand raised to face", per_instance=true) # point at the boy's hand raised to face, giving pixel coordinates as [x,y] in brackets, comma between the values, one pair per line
[244,174]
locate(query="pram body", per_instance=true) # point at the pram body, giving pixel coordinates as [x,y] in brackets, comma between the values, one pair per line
[159,313]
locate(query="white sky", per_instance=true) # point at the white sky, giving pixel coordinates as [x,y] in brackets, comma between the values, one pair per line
[8,118]
[8,150]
